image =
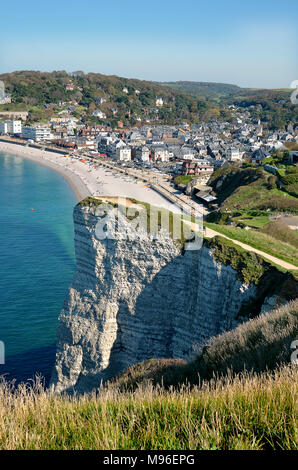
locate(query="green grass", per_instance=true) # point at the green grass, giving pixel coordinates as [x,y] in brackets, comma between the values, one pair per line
[279,192]
[250,219]
[249,413]
[183,179]
[258,196]
[280,231]
[260,241]
[256,222]
[281,172]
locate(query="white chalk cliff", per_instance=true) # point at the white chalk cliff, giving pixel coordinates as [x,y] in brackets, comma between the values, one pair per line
[134,300]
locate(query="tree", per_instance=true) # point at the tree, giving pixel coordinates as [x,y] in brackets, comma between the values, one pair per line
[271,182]
[91,107]
[286,156]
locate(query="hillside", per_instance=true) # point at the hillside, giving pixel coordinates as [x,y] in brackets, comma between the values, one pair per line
[251,209]
[253,410]
[41,92]
[252,188]
[206,89]
[272,106]
[31,90]
[269,105]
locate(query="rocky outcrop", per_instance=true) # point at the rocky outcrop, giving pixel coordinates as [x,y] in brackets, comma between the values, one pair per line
[199,182]
[131,300]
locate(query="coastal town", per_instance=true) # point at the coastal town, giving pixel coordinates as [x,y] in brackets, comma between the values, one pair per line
[155,149]
[213,143]
[144,157]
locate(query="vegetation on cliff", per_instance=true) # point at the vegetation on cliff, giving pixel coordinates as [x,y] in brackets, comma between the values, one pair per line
[262,240]
[177,225]
[270,280]
[242,189]
[249,265]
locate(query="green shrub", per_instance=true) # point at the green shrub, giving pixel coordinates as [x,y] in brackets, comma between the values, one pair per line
[183,179]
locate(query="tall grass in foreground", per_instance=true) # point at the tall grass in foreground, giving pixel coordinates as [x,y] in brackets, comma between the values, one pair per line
[249,411]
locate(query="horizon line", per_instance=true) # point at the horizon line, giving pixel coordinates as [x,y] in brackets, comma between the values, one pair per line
[148,80]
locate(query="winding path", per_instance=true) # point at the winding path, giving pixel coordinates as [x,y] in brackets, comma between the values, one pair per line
[209,233]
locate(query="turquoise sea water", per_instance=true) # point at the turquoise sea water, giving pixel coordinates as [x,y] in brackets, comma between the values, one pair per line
[36,263]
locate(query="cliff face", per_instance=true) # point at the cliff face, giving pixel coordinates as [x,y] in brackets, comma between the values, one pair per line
[134,300]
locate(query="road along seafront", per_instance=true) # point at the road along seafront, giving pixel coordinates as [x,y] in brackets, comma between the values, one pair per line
[87,177]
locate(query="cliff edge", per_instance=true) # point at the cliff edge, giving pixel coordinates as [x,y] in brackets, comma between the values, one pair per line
[147,297]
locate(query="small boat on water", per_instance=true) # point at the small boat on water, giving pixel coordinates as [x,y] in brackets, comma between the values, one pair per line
[33,209]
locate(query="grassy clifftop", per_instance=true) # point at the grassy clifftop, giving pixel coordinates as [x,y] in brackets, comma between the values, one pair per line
[262,240]
[252,204]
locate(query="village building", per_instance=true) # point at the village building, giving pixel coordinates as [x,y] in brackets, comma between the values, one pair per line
[38,133]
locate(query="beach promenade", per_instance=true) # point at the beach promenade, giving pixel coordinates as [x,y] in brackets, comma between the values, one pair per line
[88,179]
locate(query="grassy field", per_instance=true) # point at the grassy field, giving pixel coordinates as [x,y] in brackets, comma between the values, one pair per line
[256,196]
[260,241]
[293,146]
[280,231]
[254,221]
[249,412]
[183,179]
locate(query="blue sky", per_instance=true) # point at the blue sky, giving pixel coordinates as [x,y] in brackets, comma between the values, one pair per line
[252,43]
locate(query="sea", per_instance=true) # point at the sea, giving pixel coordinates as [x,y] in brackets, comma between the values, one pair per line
[37,264]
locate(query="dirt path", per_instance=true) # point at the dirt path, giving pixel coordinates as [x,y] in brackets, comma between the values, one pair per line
[212,233]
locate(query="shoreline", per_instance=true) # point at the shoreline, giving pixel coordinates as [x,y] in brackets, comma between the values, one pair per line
[86,180]
[78,187]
